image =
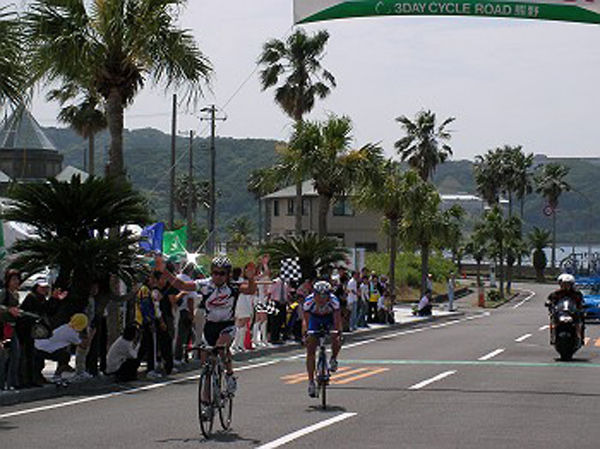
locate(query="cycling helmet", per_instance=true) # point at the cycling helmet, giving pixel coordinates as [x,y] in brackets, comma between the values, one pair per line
[566,278]
[322,287]
[221,262]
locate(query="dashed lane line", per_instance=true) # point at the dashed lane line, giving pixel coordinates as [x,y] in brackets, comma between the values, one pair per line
[491,355]
[437,378]
[305,431]
[543,328]
[522,338]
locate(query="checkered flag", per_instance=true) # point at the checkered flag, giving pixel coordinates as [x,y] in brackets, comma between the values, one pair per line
[290,269]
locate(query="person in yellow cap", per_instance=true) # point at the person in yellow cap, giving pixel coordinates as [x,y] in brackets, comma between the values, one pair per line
[57,346]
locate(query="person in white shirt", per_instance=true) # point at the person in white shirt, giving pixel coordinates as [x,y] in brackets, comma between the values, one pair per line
[352,300]
[122,359]
[363,303]
[57,346]
[424,307]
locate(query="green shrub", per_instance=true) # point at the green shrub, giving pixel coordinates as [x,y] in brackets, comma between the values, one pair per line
[493,295]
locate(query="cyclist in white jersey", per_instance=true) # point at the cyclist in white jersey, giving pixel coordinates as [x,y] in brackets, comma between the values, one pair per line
[219,297]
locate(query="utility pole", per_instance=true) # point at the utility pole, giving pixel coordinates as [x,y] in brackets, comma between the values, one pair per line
[212,191]
[190,194]
[172,169]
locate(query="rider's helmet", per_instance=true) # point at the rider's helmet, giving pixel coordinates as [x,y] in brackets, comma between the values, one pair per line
[566,278]
[221,262]
[322,287]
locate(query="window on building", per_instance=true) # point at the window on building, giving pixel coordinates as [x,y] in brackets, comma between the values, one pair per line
[343,208]
[290,206]
[276,208]
[305,206]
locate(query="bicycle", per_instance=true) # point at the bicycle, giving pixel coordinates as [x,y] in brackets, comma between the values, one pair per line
[322,371]
[212,384]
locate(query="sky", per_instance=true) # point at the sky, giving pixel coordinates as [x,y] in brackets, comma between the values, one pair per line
[507,81]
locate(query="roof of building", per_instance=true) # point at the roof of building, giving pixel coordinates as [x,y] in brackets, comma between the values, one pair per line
[20,131]
[4,178]
[69,171]
[308,189]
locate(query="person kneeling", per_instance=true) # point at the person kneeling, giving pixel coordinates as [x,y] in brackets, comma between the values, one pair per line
[122,356]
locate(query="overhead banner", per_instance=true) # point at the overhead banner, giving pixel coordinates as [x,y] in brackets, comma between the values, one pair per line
[584,11]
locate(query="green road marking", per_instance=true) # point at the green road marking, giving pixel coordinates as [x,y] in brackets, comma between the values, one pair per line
[506,363]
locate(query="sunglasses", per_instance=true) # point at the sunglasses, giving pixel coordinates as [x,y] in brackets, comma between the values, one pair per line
[219,273]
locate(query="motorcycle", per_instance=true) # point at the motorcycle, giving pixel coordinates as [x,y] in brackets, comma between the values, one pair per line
[564,318]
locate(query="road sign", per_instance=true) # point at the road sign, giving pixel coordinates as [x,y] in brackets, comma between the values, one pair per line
[584,11]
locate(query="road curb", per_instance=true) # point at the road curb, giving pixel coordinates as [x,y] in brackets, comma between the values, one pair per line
[106,384]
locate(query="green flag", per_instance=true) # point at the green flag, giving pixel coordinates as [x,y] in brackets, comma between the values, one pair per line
[174,241]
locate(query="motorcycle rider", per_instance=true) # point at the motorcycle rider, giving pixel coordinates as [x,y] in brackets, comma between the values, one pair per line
[567,290]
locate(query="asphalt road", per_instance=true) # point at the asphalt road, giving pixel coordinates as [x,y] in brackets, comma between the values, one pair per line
[484,380]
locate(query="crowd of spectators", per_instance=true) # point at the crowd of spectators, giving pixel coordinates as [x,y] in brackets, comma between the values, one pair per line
[160,324]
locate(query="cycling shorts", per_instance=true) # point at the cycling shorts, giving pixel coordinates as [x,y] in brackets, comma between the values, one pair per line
[319,322]
[214,329]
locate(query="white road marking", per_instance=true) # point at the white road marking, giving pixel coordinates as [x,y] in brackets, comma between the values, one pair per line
[432,380]
[300,433]
[543,328]
[523,338]
[531,295]
[241,368]
[491,354]
[121,393]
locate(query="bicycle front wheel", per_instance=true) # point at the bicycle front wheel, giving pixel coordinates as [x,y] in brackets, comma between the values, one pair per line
[206,412]
[225,404]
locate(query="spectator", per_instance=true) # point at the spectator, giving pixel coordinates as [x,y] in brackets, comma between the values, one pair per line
[261,317]
[424,306]
[166,325]
[374,294]
[57,347]
[451,286]
[35,302]
[352,300]
[279,293]
[185,301]
[149,297]
[429,282]
[122,359]
[244,308]
[363,302]
[12,347]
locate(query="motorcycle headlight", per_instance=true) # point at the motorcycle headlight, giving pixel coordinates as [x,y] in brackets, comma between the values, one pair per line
[565,319]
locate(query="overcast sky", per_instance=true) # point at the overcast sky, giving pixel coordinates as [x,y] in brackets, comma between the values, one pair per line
[506,81]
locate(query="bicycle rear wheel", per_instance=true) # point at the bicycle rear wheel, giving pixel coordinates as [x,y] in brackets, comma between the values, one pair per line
[206,412]
[322,378]
[225,403]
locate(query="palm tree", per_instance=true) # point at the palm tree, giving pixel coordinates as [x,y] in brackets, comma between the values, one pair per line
[385,192]
[489,172]
[477,247]
[240,230]
[523,178]
[550,182]
[423,224]
[298,59]
[87,121]
[315,254]
[539,239]
[423,146]
[494,229]
[334,168]
[261,182]
[69,220]
[200,194]
[516,247]
[13,75]
[114,46]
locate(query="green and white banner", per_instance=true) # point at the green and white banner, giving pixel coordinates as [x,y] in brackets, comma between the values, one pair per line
[585,11]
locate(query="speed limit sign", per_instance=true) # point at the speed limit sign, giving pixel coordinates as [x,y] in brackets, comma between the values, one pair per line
[548,210]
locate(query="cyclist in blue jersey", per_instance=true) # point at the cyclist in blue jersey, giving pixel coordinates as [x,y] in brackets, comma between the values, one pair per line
[321,312]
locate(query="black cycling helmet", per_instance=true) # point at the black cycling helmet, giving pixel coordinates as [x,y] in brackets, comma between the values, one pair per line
[322,287]
[221,262]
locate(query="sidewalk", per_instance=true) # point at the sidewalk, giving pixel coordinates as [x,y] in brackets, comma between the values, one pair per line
[102,384]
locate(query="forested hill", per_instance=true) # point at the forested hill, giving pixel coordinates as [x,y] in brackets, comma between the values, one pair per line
[147,157]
